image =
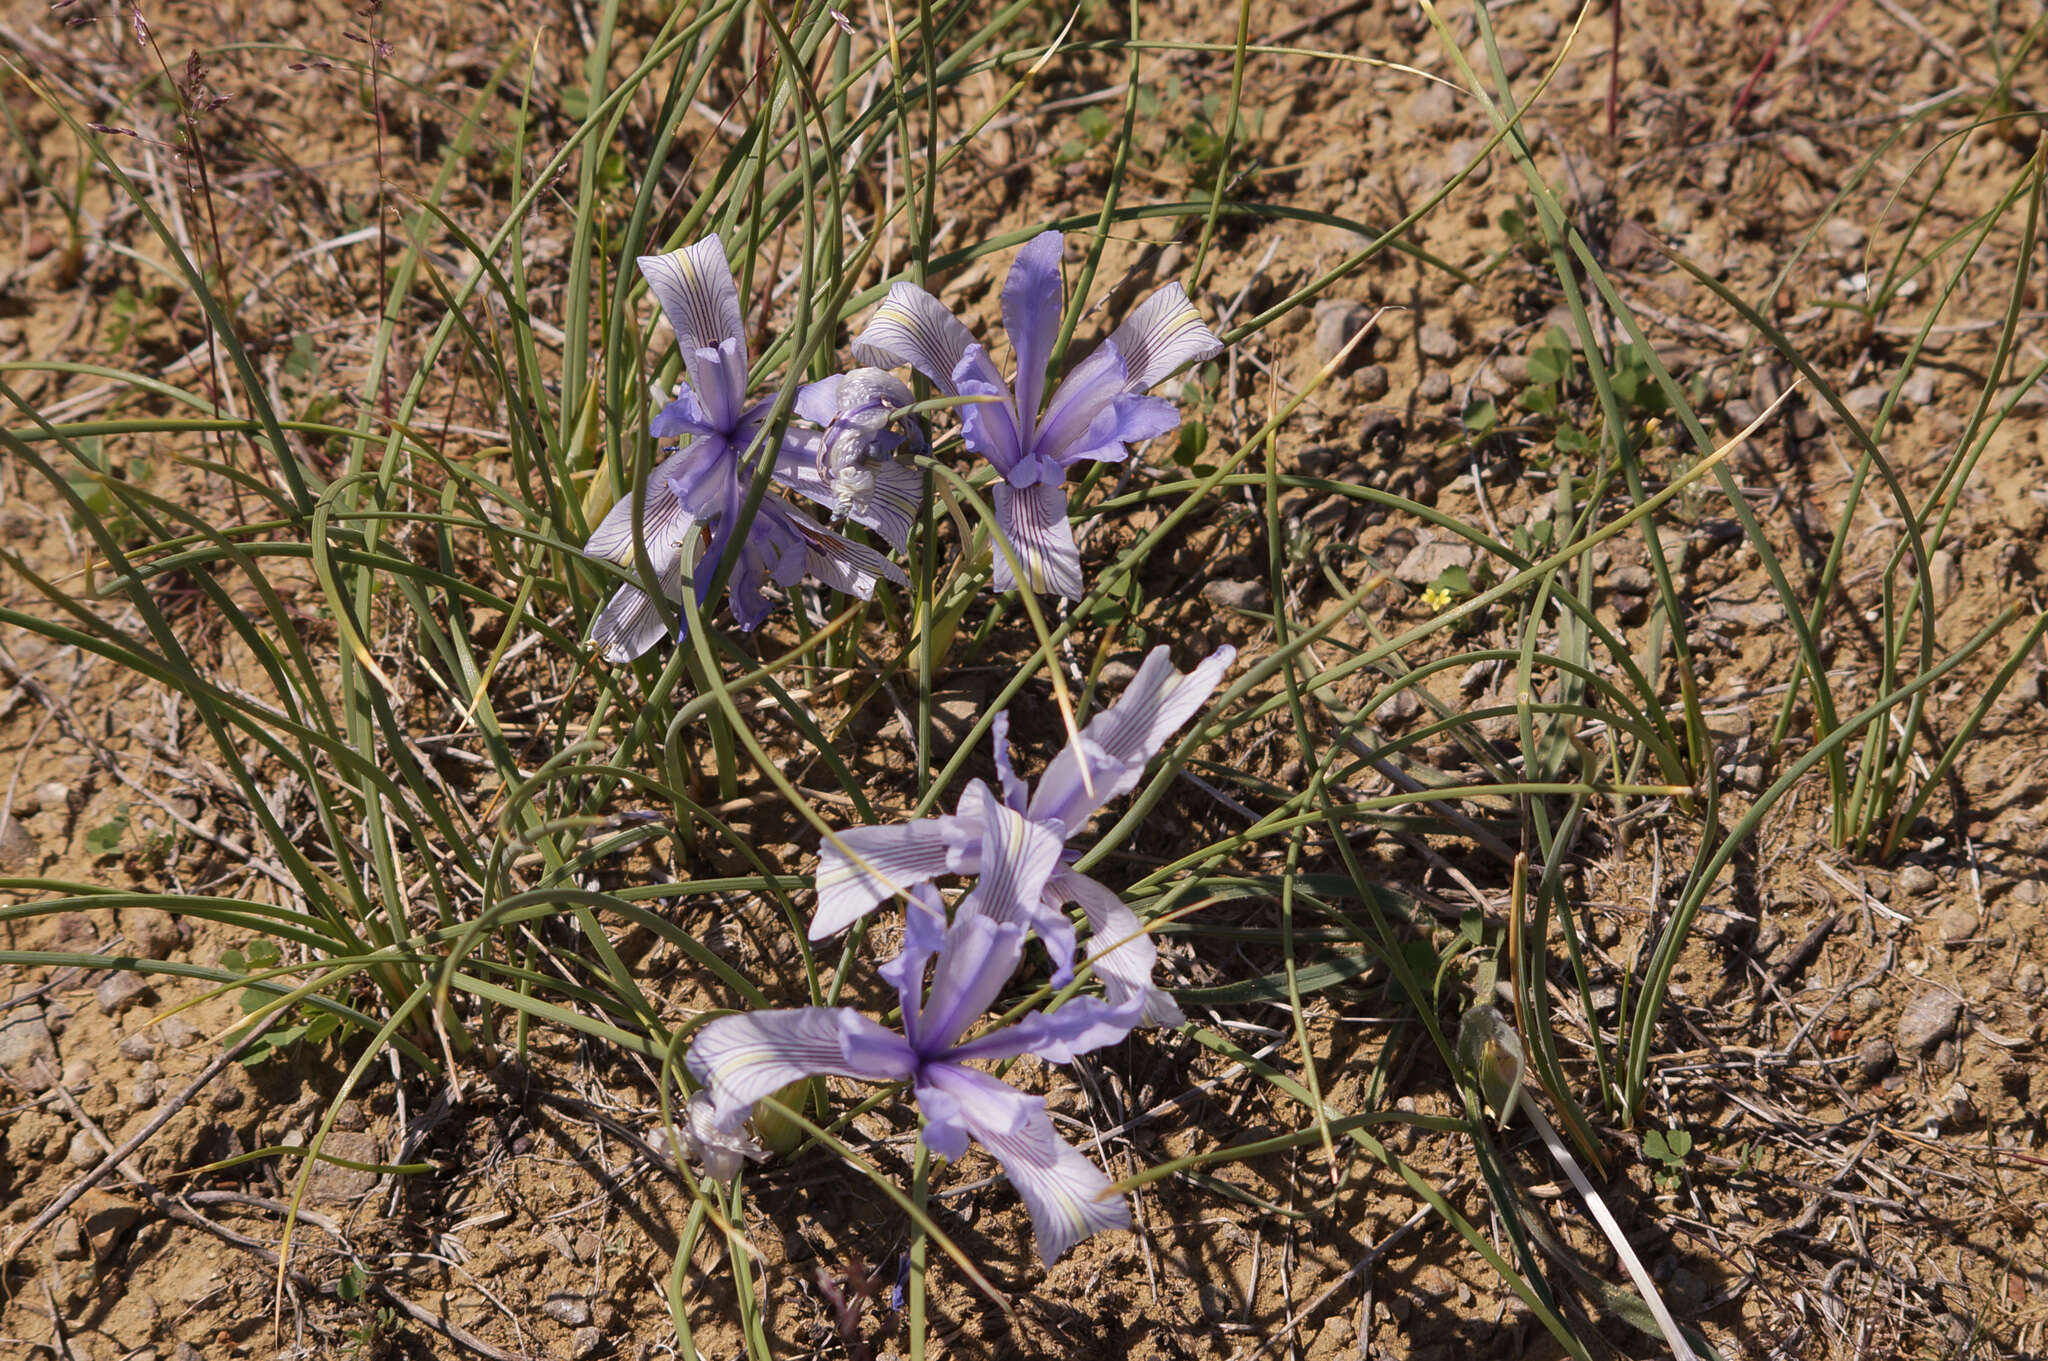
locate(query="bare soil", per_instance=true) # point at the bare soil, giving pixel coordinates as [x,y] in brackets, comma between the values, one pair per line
[1852,1193]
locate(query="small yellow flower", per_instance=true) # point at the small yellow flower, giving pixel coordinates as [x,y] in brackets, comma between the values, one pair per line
[1435,599]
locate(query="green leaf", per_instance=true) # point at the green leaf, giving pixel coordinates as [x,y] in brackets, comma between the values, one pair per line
[1481,415]
[105,839]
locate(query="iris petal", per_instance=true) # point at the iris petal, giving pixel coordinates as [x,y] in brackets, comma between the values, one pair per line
[1067,1195]
[1033,297]
[755,1054]
[1110,756]
[1034,520]
[1164,333]
[913,327]
[695,289]
[860,866]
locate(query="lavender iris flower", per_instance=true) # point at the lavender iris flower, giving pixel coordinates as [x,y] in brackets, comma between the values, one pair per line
[745,1057]
[691,504]
[1017,844]
[1096,413]
[854,470]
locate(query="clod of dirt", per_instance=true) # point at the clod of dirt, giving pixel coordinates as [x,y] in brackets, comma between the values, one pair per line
[1238,595]
[1929,1019]
[119,991]
[1876,1057]
[1337,320]
[1436,342]
[1372,383]
[571,1311]
[1427,561]
[1917,881]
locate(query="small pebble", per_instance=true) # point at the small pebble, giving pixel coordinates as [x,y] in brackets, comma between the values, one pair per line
[177,1032]
[2029,981]
[1238,595]
[226,1098]
[1917,880]
[151,933]
[84,1151]
[1337,320]
[586,1342]
[1929,1019]
[1434,387]
[1865,1003]
[1955,925]
[1436,341]
[120,990]
[139,1046]
[571,1311]
[1876,1057]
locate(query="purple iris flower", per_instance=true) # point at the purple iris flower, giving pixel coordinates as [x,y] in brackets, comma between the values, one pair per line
[691,504]
[746,1057]
[1017,844]
[1096,413]
[855,471]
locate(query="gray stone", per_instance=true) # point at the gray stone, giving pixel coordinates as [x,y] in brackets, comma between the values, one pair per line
[1917,881]
[1844,238]
[1955,925]
[26,1049]
[1929,1019]
[1372,382]
[1399,710]
[1238,595]
[1337,320]
[571,1311]
[1918,390]
[20,853]
[1425,562]
[1434,108]
[177,1032]
[84,1151]
[151,932]
[953,714]
[1865,1003]
[1435,386]
[1876,1058]
[1945,576]
[1436,341]
[2030,981]
[139,1046]
[120,990]
[334,1185]
[587,1342]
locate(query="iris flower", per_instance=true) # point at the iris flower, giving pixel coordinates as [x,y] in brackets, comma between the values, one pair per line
[854,470]
[742,1058]
[1017,844]
[1096,413]
[687,513]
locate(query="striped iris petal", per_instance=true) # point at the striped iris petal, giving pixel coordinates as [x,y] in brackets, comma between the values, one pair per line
[913,327]
[1164,333]
[1034,520]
